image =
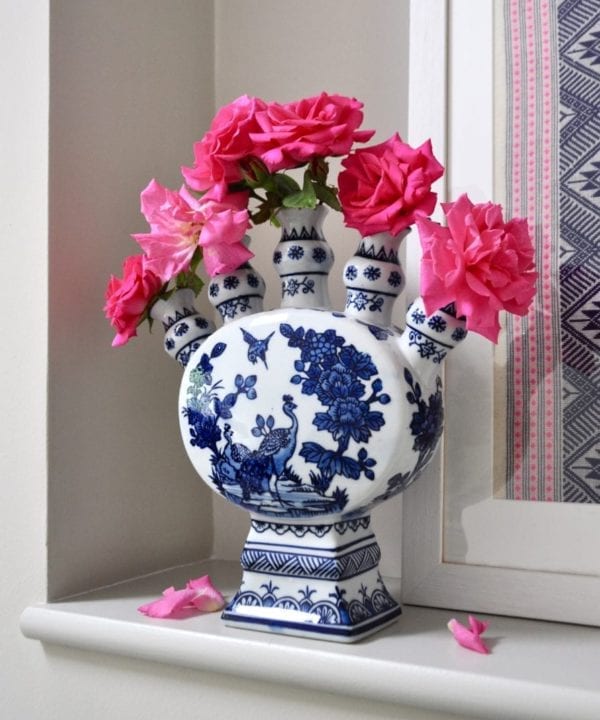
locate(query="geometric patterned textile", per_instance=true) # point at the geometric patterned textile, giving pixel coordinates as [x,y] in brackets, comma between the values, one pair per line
[579,81]
[552,60]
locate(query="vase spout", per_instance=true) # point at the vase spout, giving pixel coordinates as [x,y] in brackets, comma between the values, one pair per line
[427,338]
[374,278]
[303,258]
[185,329]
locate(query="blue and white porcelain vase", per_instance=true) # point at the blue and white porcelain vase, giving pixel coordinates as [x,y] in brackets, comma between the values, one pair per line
[308,418]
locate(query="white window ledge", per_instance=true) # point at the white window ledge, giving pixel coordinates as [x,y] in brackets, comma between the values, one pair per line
[535,670]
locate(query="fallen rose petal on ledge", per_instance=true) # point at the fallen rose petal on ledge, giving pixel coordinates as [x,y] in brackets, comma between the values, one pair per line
[172,604]
[208,598]
[199,595]
[470,638]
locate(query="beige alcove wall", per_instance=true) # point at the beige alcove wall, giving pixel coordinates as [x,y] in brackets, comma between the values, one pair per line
[132,85]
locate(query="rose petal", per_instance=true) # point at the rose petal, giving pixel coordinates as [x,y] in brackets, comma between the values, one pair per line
[468,638]
[477,626]
[199,595]
[172,605]
[217,154]
[221,259]
[208,598]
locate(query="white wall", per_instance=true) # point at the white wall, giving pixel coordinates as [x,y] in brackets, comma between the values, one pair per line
[131,88]
[103,117]
[23,258]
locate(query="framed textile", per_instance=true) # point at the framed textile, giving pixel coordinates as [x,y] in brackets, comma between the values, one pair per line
[509,519]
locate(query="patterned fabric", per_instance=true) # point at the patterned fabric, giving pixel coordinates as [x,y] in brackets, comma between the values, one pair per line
[553,177]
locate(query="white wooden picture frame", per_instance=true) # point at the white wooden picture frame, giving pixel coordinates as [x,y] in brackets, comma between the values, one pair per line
[463,548]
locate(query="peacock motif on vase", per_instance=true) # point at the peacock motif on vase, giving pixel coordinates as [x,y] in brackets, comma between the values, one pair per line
[255,470]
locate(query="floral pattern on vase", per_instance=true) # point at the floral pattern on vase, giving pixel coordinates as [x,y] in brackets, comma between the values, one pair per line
[262,478]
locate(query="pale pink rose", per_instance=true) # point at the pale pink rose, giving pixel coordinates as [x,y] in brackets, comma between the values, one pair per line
[222,234]
[180,222]
[293,134]
[199,595]
[470,637]
[128,297]
[217,154]
[175,220]
[479,262]
[223,257]
[384,188]
[167,211]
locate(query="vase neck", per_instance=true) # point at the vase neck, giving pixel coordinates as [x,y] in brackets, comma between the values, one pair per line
[374,278]
[303,258]
[185,329]
[427,339]
[237,294]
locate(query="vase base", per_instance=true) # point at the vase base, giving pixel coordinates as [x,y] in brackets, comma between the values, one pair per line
[309,627]
[313,581]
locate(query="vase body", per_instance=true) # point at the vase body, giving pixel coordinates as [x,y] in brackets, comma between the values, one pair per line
[308,419]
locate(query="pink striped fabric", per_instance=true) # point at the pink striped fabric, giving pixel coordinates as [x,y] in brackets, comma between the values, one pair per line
[533,389]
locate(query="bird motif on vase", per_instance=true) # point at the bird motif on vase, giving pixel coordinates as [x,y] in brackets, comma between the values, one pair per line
[257,471]
[257,347]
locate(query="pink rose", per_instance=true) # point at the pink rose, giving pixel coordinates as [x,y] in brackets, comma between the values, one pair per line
[221,240]
[128,297]
[479,262]
[293,134]
[179,223]
[223,230]
[175,220]
[217,154]
[385,187]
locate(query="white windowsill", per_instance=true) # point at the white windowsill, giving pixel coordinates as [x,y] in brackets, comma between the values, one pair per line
[535,670]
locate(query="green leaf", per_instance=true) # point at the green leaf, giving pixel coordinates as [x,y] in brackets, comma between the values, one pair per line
[328,196]
[284,184]
[196,257]
[319,169]
[189,279]
[258,170]
[250,180]
[299,200]
[195,283]
[306,198]
[262,214]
